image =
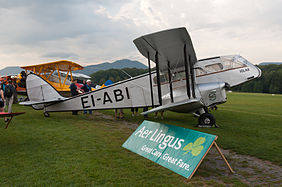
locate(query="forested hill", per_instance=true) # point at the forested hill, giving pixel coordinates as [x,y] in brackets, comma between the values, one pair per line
[269,82]
[119,64]
[100,77]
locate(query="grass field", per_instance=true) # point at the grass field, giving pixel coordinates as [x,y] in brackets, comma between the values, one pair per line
[249,124]
[86,150]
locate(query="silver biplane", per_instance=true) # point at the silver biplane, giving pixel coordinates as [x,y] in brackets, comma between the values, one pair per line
[180,83]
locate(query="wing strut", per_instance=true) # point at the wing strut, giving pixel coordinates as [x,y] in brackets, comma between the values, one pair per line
[150,77]
[186,73]
[192,78]
[158,78]
[170,83]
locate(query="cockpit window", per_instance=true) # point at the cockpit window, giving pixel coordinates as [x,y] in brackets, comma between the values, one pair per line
[214,67]
[229,63]
[226,63]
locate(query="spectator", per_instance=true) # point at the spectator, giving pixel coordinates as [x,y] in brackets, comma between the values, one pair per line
[162,114]
[87,88]
[134,111]
[22,83]
[3,85]
[120,113]
[2,100]
[144,110]
[9,95]
[74,92]
[15,101]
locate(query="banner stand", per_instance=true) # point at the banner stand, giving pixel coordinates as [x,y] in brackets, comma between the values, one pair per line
[223,157]
[221,154]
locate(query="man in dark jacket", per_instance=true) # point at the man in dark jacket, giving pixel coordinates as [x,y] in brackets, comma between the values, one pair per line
[87,88]
[9,93]
[74,92]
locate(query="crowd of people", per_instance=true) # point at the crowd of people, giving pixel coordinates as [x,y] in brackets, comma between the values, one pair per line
[84,89]
[8,96]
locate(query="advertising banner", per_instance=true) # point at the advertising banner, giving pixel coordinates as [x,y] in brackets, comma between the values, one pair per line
[178,149]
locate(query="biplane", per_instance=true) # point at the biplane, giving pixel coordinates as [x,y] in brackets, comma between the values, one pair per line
[59,74]
[180,83]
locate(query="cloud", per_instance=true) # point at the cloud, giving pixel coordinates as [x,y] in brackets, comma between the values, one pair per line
[60,55]
[95,31]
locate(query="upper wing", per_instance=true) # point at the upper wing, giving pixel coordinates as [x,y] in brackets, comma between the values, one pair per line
[169,45]
[172,51]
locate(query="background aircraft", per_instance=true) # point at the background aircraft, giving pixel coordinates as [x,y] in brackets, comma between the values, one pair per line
[59,74]
[180,83]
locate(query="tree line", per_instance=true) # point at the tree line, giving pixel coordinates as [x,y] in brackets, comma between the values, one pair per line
[269,82]
[115,75]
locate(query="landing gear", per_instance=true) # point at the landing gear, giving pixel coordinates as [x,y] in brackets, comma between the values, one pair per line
[206,120]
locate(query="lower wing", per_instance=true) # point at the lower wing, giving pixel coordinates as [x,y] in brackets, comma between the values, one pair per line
[181,106]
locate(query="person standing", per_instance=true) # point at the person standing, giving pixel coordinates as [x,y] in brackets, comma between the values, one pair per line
[2,100]
[134,109]
[162,114]
[119,113]
[74,92]
[145,109]
[15,101]
[9,93]
[87,88]
[3,85]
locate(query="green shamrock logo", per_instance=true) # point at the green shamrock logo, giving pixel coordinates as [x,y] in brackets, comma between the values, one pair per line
[195,147]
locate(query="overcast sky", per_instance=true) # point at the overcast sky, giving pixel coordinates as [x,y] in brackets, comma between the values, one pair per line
[90,32]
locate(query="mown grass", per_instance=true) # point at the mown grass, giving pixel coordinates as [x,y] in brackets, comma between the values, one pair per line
[72,150]
[66,150]
[85,150]
[250,124]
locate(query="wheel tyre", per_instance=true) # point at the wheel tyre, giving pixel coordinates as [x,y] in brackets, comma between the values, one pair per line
[206,119]
[46,114]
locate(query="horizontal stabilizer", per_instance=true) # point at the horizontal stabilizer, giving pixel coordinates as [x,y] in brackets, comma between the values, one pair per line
[51,101]
[180,106]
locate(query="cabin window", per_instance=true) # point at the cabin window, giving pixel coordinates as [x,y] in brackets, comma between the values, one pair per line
[231,64]
[214,68]
[163,79]
[200,71]
[178,76]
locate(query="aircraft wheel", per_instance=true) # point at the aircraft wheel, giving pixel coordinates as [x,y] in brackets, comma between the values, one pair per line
[206,120]
[46,114]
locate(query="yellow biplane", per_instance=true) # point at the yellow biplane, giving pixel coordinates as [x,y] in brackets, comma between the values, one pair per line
[58,74]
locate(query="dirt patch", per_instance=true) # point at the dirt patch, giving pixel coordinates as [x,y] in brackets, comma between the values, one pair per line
[112,118]
[249,170]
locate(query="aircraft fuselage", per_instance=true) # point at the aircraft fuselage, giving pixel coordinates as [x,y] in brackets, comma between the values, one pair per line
[212,77]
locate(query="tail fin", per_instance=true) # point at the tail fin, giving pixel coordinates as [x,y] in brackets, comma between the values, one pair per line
[40,92]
